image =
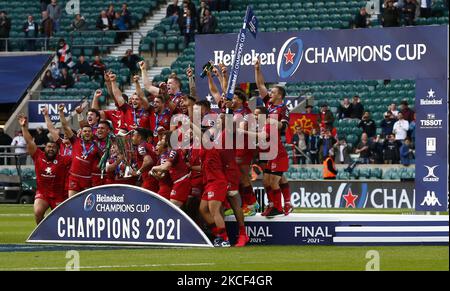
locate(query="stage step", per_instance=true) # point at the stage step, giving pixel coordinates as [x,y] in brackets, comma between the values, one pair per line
[345,229]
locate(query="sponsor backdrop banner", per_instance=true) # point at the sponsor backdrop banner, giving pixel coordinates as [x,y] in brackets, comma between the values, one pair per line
[419,53]
[355,194]
[376,53]
[35,116]
[119,214]
[431,144]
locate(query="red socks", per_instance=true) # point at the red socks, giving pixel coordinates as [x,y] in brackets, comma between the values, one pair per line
[286,192]
[277,199]
[248,197]
[242,230]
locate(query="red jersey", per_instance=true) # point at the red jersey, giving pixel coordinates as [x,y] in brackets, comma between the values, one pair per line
[179,170]
[133,118]
[142,150]
[64,150]
[177,99]
[212,166]
[194,160]
[281,110]
[162,120]
[165,184]
[51,175]
[281,150]
[116,118]
[84,156]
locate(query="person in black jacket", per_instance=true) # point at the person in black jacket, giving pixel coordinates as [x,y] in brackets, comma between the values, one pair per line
[368,125]
[357,108]
[344,109]
[5,28]
[5,140]
[391,15]
[173,12]
[66,80]
[391,152]
[31,30]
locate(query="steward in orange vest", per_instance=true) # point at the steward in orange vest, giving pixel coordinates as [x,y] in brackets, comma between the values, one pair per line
[329,167]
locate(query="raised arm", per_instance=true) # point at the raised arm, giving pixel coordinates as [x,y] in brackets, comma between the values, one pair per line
[31,146]
[108,83]
[117,94]
[54,132]
[140,93]
[259,79]
[213,88]
[95,100]
[67,130]
[192,87]
[147,83]
[224,75]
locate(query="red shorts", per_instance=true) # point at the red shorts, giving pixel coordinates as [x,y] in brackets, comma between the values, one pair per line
[150,183]
[244,157]
[164,190]
[97,180]
[52,200]
[125,181]
[79,184]
[196,187]
[280,164]
[233,179]
[216,191]
[181,190]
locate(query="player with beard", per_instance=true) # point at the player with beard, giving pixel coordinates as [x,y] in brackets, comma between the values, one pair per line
[103,141]
[163,116]
[65,147]
[173,161]
[173,87]
[113,115]
[134,115]
[274,102]
[85,154]
[51,169]
[145,159]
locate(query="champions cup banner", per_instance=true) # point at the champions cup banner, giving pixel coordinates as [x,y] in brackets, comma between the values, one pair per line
[35,116]
[119,214]
[331,55]
[343,194]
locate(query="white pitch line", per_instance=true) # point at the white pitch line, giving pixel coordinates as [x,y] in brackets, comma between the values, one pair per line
[15,215]
[108,267]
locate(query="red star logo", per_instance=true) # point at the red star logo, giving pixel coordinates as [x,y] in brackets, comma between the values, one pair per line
[350,199]
[289,57]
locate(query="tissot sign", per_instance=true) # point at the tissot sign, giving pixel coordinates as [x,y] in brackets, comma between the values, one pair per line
[119,214]
[419,53]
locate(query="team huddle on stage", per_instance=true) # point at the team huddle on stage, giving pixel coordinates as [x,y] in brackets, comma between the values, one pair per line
[138,143]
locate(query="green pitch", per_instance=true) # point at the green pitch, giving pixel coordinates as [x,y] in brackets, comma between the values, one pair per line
[17,222]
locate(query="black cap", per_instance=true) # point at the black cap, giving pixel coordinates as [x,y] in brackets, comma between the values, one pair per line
[324,105]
